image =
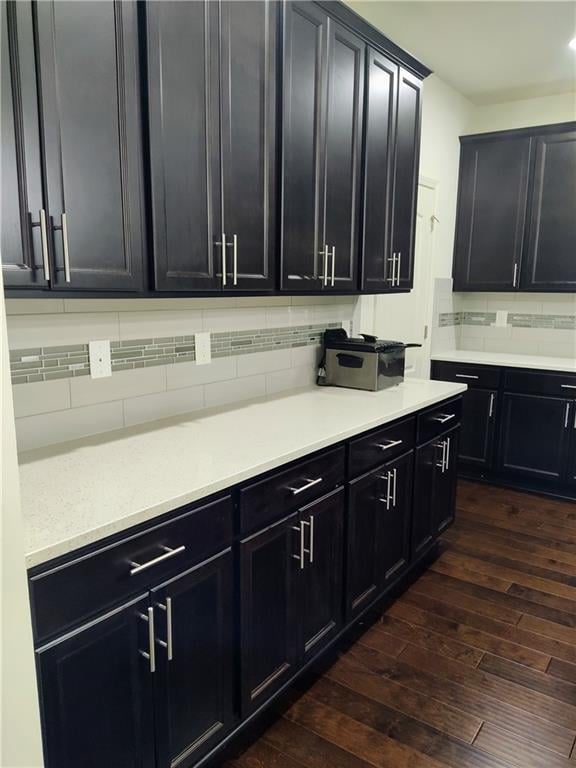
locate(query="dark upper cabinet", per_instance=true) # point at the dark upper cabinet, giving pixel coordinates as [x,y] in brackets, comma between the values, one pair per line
[323,95]
[380,129]
[268,632]
[478,428]
[551,248]
[321,571]
[24,259]
[534,434]
[213,143]
[194,656]
[407,149]
[90,100]
[491,214]
[96,689]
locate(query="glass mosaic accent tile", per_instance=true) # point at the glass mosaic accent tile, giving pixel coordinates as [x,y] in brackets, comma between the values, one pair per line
[47,363]
[516,319]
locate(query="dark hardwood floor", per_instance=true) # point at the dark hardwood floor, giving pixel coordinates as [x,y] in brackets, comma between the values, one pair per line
[473,667]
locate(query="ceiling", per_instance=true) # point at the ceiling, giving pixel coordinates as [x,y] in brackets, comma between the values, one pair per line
[489,51]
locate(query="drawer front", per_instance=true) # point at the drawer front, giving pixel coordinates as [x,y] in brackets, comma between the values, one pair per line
[438,419]
[536,382]
[370,450]
[271,498]
[89,585]
[463,373]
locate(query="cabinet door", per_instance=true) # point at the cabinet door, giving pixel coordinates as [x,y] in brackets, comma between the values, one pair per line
[551,251]
[194,624]
[22,201]
[366,501]
[303,254]
[248,110]
[321,571]
[533,435]
[380,123]
[477,433]
[445,478]
[183,88]
[491,213]
[88,55]
[268,563]
[95,690]
[346,54]
[396,516]
[407,151]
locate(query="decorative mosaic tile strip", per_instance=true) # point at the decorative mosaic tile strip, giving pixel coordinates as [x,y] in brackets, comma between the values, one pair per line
[47,363]
[516,319]
[478,318]
[449,318]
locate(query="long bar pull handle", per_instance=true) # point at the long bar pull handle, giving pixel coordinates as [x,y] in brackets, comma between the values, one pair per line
[333,277]
[395,483]
[448,440]
[151,654]
[309,484]
[325,265]
[466,376]
[222,244]
[566,415]
[515,278]
[398,268]
[444,417]
[303,550]
[311,539]
[235,257]
[65,247]
[168,553]
[442,463]
[568,386]
[44,238]
[491,411]
[386,446]
[392,280]
[169,645]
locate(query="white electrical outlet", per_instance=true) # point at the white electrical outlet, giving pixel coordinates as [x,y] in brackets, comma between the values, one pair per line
[100,360]
[203,348]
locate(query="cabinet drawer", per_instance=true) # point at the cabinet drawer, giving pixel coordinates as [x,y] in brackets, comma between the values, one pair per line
[438,419]
[269,499]
[91,584]
[536,382]
[370,450]
[464,373]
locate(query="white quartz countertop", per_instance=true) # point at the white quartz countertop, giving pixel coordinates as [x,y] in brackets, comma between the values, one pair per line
[76,493]
[508,360]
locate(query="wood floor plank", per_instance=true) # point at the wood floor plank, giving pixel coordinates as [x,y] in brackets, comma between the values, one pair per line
[392,643]
[263,755]
[458,571]
[542,640]
[562,670]
[538,681]
[453,722]
[477,523]
[538,597]
[517,751]
[423,638]
[475,637]
[402,728]
[355,737]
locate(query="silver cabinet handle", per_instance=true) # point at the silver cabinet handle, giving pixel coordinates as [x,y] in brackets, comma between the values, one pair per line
[388,498]
[442,463]
[303,550]
[150,655]
[392,279]
[491,411]
[395,475]
[168,553]
[447,464]
[568,386]
[44,238]
[333,265]
[65,247]
[566,414]
[388,445]
[399,268]
[444,417]
[325,275]
[515,275]
[169,644]
[311,539]
[235,257]
[466,376]
[222,244]
[309,484]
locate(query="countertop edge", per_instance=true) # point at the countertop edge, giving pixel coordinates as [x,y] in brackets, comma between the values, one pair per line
[561,365]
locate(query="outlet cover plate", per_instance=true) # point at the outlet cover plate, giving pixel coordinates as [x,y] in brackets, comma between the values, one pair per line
[100,360]
[203,349]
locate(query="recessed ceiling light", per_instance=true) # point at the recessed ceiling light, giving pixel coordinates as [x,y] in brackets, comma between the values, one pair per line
[572,44]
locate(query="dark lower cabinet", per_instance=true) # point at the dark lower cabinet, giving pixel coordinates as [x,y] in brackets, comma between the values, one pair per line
[378,541]
[550,254]
[478,428]
[534,434]
[434,489]
[321,574]
[268,563]
[97,693]
[194,623]
[571,476]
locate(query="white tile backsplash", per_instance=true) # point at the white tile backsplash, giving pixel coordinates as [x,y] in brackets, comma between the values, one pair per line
[41,397]
[263,362]
[235,390]
[138,410]
[139,381]
[41,330]
[159,324]
[191,374]
[49,428]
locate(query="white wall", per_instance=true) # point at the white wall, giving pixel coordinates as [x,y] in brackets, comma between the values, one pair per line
[20,743]
[521,114]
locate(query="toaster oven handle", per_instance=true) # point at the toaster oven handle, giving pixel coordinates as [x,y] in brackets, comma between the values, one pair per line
[349,361]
